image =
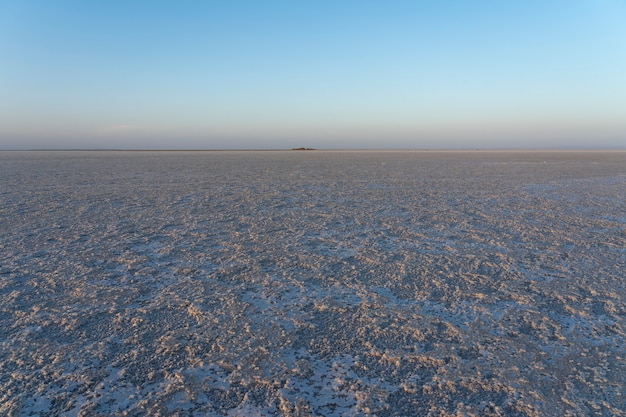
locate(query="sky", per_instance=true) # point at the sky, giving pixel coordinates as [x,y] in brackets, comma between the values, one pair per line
[326,74]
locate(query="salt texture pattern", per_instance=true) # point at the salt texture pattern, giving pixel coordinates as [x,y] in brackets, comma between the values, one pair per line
[313,283]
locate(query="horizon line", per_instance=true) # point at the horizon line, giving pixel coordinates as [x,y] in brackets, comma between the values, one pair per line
[308,150]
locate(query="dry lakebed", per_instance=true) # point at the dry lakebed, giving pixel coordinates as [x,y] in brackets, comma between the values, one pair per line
[321,283]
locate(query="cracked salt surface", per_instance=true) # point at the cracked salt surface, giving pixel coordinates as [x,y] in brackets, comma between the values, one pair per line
[312,284]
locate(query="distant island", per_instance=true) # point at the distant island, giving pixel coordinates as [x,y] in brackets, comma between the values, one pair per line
[302,149]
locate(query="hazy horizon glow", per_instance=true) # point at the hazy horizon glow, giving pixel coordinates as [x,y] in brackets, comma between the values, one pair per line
[278,74]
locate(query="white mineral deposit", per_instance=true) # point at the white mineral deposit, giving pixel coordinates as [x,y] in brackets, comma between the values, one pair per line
[322,283]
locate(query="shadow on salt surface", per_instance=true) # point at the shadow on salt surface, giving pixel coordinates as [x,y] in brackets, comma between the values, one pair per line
[322,392]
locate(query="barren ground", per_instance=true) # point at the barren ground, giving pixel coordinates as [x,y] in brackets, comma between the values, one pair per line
[313,283]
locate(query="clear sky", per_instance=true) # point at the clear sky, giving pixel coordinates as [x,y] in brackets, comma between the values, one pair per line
[325,74]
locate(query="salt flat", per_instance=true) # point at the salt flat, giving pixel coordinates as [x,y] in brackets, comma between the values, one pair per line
[313,283]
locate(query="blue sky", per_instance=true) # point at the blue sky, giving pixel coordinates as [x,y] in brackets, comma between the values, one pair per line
[327,74]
